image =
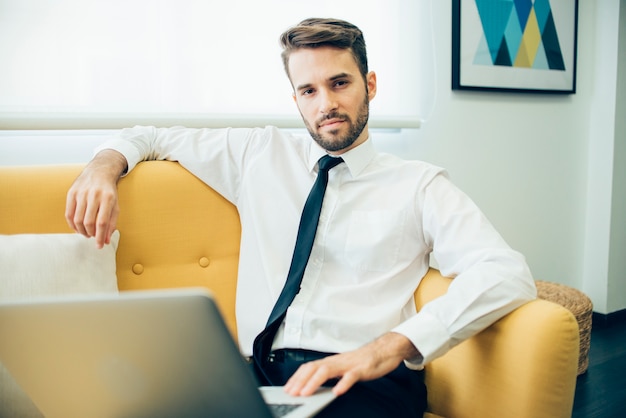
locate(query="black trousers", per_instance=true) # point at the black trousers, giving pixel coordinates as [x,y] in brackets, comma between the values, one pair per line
[401,393]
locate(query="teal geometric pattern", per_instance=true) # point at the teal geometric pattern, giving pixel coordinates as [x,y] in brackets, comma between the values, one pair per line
[518,33]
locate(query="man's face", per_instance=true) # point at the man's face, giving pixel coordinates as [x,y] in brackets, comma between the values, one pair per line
[332,97]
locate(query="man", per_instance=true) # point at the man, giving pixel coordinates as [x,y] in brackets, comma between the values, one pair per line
[381,220]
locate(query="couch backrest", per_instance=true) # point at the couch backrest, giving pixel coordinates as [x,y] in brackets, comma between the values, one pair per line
[175,231]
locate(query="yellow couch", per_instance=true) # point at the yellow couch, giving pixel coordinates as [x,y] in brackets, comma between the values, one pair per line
[176,231]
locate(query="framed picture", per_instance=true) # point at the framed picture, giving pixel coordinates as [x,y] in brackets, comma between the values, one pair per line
[514,45]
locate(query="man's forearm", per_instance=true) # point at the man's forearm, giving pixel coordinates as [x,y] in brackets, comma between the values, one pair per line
[395,344]
[110,163]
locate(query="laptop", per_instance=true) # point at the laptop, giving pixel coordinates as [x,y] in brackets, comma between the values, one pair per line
[157,353]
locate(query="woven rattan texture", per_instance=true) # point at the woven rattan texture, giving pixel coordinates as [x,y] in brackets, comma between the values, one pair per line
[578,304]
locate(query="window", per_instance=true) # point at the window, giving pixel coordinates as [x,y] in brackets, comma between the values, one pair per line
[108,64]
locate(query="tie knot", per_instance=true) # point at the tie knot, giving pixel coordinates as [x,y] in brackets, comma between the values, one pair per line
[327,162]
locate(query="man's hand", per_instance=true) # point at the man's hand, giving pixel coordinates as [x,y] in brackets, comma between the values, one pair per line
[92,207]
[369,362]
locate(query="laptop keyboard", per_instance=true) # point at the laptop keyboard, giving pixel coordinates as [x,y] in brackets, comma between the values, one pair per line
[280,410]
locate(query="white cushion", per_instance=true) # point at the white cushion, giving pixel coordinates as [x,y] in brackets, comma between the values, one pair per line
[33,265]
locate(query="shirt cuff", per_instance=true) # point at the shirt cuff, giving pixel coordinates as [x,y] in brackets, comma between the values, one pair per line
[416,363]
[428,335]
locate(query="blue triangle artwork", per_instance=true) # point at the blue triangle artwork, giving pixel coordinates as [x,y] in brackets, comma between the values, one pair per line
[518,33]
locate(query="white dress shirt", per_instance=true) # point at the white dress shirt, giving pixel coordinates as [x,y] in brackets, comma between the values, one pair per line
[381,219]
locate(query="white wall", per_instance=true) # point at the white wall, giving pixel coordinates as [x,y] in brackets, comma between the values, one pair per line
[542,167]
[549,171]
[601,155]
[616,289]
[521,157]
[553,160]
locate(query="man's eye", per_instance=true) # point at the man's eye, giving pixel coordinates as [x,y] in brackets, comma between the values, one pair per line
[307,92]
[341,83]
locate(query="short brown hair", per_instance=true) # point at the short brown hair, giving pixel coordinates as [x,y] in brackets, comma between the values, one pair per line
[317,32]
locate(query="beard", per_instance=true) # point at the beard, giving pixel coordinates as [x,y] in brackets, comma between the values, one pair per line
[332,142]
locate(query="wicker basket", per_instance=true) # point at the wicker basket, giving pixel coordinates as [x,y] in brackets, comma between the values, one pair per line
[578,304]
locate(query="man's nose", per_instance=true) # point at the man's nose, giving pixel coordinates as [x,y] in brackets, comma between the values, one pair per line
[328,102]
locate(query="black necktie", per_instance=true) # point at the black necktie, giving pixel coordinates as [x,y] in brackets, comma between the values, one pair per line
[304,243]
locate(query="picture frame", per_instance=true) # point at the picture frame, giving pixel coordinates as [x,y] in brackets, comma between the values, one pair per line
[520,46]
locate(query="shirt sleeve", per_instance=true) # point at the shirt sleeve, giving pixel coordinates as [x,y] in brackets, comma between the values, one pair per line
[490,278]
[216,156]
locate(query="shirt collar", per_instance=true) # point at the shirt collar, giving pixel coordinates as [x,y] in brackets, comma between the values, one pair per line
[356,159]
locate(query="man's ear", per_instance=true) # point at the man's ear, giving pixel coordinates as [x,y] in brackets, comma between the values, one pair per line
[370,79]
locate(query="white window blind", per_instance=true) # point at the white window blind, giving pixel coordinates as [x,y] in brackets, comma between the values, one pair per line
[92,64]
